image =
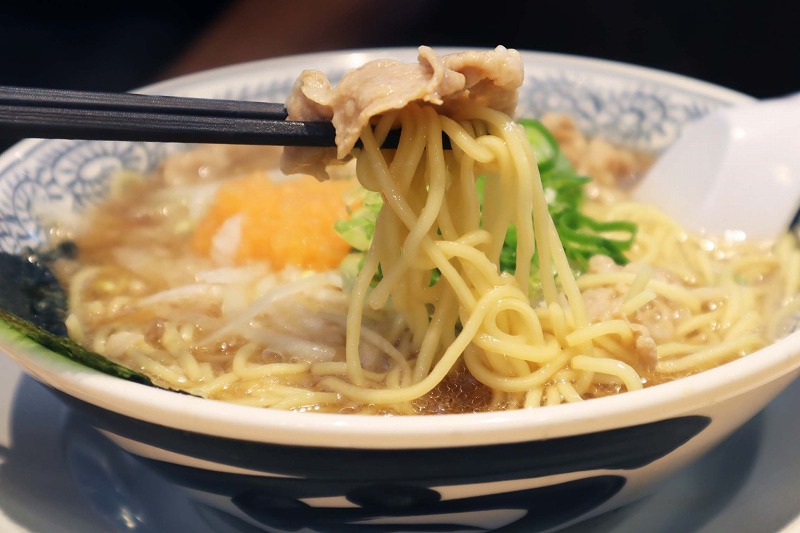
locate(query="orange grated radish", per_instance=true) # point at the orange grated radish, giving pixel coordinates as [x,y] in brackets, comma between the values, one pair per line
[287,223]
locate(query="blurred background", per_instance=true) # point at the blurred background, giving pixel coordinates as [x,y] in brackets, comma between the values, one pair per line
[752,47]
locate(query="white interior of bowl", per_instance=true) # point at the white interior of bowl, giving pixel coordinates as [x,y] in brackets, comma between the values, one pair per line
[691,98]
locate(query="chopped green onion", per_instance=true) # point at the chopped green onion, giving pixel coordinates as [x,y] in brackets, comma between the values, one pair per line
[545,147]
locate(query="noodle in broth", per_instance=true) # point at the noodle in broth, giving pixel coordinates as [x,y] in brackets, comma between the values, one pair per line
[430,324]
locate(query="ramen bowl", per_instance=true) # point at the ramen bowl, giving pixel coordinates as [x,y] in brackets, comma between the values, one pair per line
[526,470]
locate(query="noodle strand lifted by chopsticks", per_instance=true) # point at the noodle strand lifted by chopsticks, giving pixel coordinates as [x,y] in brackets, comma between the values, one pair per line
[491,309]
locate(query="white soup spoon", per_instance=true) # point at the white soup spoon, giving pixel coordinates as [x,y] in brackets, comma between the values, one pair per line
[733,173]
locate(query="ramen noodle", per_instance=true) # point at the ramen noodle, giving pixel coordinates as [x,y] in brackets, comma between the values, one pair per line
[226,280]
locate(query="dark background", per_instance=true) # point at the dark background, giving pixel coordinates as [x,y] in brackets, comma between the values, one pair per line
[752,47]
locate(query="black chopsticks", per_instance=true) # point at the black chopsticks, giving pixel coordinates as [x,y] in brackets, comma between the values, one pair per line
[66,114]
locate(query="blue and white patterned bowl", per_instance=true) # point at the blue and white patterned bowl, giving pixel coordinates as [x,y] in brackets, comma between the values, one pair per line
[531,470]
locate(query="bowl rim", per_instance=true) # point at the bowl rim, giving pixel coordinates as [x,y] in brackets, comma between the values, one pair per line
[228,420]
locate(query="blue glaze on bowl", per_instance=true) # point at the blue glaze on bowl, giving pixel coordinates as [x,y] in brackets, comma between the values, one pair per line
[335,489]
